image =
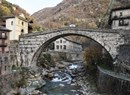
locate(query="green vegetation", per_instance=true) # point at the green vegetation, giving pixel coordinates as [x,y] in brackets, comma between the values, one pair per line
[8,9]
[4,10]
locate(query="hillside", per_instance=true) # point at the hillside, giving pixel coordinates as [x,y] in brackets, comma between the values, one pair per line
[83,13]
[8,9]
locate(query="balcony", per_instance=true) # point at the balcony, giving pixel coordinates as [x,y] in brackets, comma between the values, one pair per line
[3,45]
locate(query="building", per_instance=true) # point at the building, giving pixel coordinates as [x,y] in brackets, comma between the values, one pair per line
[65,45]
[0,1]
[4,39]
[4,50]
[120,18]
[17,24]
[30,28]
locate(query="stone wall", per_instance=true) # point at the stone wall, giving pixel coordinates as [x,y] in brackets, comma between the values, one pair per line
[5,66]
[8,81]
[123,60]
[112,85]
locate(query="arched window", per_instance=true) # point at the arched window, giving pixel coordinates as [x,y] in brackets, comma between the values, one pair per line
[22,31]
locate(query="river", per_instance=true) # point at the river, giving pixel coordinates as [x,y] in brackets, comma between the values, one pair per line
[72,80]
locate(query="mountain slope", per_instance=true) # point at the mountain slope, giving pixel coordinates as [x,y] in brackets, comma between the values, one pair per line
[83,13]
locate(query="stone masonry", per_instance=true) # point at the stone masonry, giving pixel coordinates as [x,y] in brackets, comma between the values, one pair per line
[31,45]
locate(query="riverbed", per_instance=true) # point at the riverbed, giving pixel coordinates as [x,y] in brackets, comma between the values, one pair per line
[71,80]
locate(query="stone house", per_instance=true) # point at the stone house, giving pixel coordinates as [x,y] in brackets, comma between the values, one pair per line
[17,24]
[65,45]
[120,18]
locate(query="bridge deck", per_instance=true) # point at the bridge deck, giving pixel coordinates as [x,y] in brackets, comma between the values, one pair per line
[74,29]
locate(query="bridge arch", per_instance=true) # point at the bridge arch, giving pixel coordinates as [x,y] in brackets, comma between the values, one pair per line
[44,45]
[37,42]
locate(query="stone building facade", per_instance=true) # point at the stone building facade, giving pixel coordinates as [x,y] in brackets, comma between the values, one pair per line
[17,24]
[65,45]
[120,18]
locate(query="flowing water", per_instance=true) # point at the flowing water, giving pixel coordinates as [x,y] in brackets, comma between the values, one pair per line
[71,81]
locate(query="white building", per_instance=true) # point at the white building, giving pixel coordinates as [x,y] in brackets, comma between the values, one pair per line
[18,25]
[120,18]
[65,45]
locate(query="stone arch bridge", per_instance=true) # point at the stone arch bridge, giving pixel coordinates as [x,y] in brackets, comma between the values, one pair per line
[31,45]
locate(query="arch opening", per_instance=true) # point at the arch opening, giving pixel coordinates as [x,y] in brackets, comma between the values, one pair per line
[44,46]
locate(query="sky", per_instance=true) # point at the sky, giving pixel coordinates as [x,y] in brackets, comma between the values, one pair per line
[32,6]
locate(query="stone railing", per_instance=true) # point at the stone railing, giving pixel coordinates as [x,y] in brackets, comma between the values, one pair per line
[114,74]
[113,83]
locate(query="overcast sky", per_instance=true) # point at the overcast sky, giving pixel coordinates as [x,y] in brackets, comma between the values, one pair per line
[32,6]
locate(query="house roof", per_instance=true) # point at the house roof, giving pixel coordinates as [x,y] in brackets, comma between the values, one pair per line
[4,29]
[7,17]
[119,18]
[120,8]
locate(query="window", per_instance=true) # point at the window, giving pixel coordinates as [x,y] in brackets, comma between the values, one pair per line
[121,14]
[123,22]
[11,22]
[60,41]
[64,47]
[60,46]
[22,23]
[3,35]
[22,31]
[57,47]
[126,22]
[5,68]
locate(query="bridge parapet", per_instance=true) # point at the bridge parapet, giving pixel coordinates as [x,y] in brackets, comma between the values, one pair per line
[75,29]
